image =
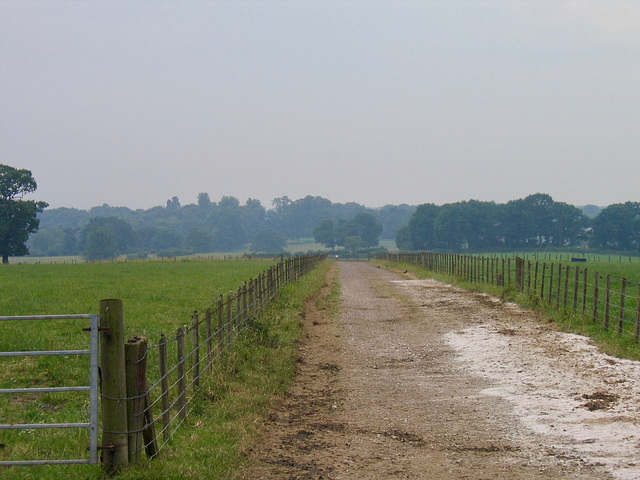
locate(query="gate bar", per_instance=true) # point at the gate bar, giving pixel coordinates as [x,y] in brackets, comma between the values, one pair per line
[45,389]
[27,426]
[45,317]
[33,353]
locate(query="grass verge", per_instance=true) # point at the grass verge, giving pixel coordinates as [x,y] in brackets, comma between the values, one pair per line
[233,402]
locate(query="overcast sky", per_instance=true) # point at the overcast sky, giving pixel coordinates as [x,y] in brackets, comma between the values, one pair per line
[132,103]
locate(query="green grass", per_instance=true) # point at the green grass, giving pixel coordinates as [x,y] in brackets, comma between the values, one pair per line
[158,297]
[233,403]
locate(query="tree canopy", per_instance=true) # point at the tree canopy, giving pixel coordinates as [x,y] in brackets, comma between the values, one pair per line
[18,217]
[361,231]
[534,221]
[208,226]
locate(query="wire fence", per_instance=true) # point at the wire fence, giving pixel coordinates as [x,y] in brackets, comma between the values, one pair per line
[162,379]
[612,302]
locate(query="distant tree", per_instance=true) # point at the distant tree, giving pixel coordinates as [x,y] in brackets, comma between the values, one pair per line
[199,240]
[156,239]
[617,227]
[569,224]
[70,242]
[448,227]
[591,211]
[47,241]
[18,218]
[228,234]
[228,230]
[421,227]
[393,217]
[297,219]
[229,202]
[352,243]
[204,200]
[403,238]
[324,233]
[173,204]
[268,241]
[363,226]
[367,228]
[253,216]
[100,244]
[112,235]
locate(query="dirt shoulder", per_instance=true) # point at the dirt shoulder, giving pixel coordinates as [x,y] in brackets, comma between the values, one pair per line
[417,379]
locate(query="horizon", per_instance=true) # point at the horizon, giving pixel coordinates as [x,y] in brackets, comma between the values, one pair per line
[270,206]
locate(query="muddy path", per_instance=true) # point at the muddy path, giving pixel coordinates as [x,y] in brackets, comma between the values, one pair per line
[420,380]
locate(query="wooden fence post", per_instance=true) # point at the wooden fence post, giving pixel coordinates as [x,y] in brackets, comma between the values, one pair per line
[135,351]
[637,329]
[607,303]
[182,383]
[114,388]
[623,294]
[220,324]
[584,291]
[576,282]
[195,349]
[164,386]
[245,313]
[566,285]
[544,271]
[595,297]
[209,361]
[550,284]
[559,287]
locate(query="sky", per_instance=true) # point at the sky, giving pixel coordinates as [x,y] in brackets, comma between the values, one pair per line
[131,103]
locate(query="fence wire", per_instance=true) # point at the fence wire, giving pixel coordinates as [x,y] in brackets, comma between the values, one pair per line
[190,354]
[611,302]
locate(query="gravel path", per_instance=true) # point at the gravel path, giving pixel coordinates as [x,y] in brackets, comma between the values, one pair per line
[420,380]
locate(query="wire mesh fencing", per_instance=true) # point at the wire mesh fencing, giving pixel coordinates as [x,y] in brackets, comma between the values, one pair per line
[162,379]
[612,302]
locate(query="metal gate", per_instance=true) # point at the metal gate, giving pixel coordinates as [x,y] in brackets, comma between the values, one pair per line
[92,425]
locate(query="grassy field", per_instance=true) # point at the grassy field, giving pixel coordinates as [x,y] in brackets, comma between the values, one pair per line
[158,297]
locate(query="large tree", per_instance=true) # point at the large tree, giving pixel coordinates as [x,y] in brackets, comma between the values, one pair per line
[18,217]
[617,227]
[421,227]
[107,237]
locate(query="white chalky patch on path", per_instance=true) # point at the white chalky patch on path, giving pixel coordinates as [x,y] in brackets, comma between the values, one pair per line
[544,374]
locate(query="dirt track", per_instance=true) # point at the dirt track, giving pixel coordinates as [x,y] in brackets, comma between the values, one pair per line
[420,380]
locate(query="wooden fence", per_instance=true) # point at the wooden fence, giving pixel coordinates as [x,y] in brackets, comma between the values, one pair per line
[571,288]
[140,418]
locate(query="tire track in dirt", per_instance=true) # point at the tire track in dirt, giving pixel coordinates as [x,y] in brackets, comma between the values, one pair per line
[383,393]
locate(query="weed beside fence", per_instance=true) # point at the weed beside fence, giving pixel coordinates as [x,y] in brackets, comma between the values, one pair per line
[612,302]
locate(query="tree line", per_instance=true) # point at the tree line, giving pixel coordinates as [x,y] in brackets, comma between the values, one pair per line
[536,221]
[206,226]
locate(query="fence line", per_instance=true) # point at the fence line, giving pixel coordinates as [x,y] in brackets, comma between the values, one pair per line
[177,363]
[603,299]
